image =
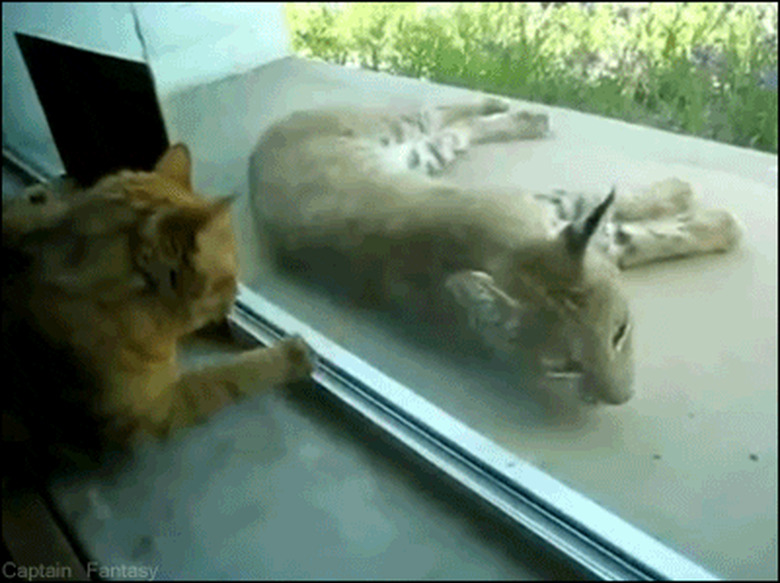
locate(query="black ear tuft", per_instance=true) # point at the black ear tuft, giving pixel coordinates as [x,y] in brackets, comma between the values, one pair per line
[577,234]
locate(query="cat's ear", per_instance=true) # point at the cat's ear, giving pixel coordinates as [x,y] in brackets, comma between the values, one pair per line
[176,165]
[221,206]
[175,230]
[577,234]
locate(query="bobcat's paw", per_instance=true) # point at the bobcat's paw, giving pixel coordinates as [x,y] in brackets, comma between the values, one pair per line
[665,198]
[712,229]
[530,125]
[300,358]
[491,105]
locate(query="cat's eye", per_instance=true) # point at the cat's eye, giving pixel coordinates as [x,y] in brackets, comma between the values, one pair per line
[174,278]
[621,237]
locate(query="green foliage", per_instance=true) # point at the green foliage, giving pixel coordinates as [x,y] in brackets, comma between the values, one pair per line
[704,69]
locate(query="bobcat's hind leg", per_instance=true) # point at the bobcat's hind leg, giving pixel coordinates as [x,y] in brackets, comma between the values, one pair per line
[433,155]
[446,115]
[506,127]
[450,130]
[446,133]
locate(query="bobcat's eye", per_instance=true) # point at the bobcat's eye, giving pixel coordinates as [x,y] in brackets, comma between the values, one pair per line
[620,336]
[621,237]
[174,278]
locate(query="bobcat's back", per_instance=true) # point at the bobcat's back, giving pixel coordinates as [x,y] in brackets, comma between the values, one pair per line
[354,195]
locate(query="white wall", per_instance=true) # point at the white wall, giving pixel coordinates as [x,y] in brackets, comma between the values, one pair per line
[186,44]
[104,27]
[193,43]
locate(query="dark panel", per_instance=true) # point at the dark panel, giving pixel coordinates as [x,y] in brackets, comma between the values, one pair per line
[102,110]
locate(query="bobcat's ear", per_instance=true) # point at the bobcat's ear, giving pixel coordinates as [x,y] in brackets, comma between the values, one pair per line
[175,164]
[576,235]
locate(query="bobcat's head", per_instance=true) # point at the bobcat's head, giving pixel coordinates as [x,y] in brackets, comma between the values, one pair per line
[582,286]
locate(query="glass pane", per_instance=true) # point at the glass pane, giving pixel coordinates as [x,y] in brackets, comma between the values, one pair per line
[677,459]
[691,458]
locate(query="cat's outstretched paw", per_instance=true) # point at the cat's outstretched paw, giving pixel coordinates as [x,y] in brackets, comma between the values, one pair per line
[300,357]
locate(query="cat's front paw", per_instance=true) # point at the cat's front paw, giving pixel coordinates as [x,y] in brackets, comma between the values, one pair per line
[300,358]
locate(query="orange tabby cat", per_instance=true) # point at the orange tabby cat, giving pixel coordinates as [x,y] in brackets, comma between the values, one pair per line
[111,278]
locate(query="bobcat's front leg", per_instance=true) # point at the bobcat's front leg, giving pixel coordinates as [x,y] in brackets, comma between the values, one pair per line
[664,222]
[705,231]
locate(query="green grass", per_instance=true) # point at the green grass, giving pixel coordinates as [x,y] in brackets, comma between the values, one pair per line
[708,70]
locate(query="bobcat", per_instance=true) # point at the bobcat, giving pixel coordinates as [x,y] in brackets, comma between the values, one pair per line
[354,197]
[107,280]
